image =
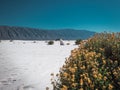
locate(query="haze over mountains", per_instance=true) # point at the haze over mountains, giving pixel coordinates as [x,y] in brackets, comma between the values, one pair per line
[23,33]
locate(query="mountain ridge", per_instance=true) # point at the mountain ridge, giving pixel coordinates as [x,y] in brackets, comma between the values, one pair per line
[26,33]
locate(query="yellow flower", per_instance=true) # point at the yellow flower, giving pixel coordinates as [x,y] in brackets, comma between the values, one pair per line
[74,84]
[65,74]
[72,80]
[85,77]
[75,65]
[89,81]
[94,75]
[92,86]
[81,81]
[73,76]
[104,61]
[101,49]
[90,47]
[116,62]
[64,87]
[110,87]
[105,78]
[104,87]
[82,67]
[99,76]
[99,54]
[115,73]
[72,70]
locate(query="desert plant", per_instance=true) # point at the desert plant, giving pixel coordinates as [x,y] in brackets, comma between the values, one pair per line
[77,42]
[34,41]
[95,65]
[51,42]
[11,40]
[67,43]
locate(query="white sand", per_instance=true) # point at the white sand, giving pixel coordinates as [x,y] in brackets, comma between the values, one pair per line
[25,65]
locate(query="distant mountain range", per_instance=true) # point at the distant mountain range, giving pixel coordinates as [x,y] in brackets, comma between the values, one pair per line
[23,33]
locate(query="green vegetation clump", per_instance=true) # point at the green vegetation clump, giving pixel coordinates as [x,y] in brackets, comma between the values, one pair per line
[51,42]
[11,40]
[77,42]
[67,43]
[34,41]
[95,65]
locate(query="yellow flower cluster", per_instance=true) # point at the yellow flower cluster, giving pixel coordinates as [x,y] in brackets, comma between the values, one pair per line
[95,65]
[64,88]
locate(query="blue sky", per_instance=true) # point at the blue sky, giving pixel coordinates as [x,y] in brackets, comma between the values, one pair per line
[94,15]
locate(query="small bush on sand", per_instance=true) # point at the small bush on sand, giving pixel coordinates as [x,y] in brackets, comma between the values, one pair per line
[34,41]
[11,40]
[67,43]
[95,65]
[51,42]
[77,42]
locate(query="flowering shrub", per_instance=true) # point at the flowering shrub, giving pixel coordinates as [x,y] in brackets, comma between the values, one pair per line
[11,40]
[95,65]
[34,41]
[77,42]
[51,42]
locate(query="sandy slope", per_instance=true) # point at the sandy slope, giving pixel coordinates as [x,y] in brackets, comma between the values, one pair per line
[25,65]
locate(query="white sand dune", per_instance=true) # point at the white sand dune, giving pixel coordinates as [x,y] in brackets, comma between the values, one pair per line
[25,65]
